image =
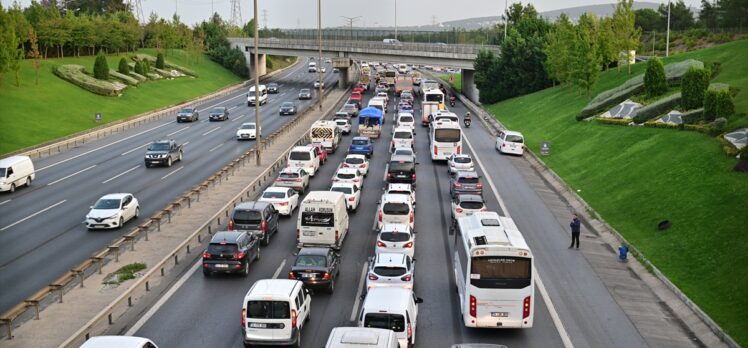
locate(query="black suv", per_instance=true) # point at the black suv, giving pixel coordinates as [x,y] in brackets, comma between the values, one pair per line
[272,88]
[316,267]
[260,218]
[401,170]
[230,252]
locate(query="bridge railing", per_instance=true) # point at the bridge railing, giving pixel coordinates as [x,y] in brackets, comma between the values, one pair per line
[327,45]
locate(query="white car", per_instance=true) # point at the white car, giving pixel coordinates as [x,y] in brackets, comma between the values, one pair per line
[348,175]
[351,192]
[316,84]
[323,69]
[119,342]
[389,269]
[401,189]
[406,119]
[460,162]
[466,205]
[404,151]
[402,137]
[357,161]
[112,211]
[395,209]
[510,142]
[247,130]
[396,238]
[284,199]
[344,125]
[293,177]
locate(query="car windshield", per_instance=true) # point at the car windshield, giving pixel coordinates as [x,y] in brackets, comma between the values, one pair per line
[401,166]
[217,110]
[248,126]
[268,310]
[471,205]
[394,322]
[158,147]
[252,93]
[406,119]
[346,176]
[403,135]
[273,194]
[304,91]
[186,110]
[349,107]
[468,180]
[341,122]
[389,271]
[394,236]
[354,160]
[288,175]
[396,209]
[311,261]
[222,248]
[462,160]
[247,217]
[514,139]
[287,105]
[107,204]
[300,156]
[360,142]
[272,85]
[406,152]
[344,190]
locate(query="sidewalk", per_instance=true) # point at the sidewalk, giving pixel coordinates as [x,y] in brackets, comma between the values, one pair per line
[59,321]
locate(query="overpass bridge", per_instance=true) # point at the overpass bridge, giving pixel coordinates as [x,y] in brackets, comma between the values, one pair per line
[453,55]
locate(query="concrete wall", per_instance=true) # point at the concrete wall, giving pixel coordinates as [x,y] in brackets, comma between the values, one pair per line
[469,89]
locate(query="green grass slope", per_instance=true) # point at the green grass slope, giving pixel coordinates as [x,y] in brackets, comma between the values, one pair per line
[635,177]
[34,114]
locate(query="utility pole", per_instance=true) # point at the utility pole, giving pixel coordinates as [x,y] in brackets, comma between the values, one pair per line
[319,38]
[506,17]
[667,38]
[176,7]
[350,21]
[258,128]
[265,18]
[395,19]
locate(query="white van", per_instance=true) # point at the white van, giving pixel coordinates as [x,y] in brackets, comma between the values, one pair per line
[274,312]
[510,142]
[263,96]
[16,171]
[312,67]
[361,337]
[119,342]
[392,42]
[305,157]
[327,133]
[393,308]
[379,103]
[323,220]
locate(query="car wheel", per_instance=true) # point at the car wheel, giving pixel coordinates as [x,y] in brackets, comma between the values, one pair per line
[137,212]
[168,162]
[147,165]
[121,222]
[28,181]
[257,258]
[245,271]
[298,338]
[12,188]
[178,121]
[330,288]
[266,239]
[206,272]
[181,156]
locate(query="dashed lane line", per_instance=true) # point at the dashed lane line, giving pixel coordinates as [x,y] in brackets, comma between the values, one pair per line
[71,175]
[120,174]
[34,214]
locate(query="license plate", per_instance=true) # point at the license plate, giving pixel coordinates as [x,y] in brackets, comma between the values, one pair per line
[307,275]
[222,265]
[500,314]
[258,325]
[308,233]
[245,135]
[448,154]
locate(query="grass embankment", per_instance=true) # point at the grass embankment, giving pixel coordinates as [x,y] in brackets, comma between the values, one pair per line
[635,177]
[456,83]
[279,62]
[33,114]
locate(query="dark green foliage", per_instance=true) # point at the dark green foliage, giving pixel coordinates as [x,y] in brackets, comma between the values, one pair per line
[657,108]
[681,16]
[692,116]
[123,67]
[648,19]
[720,124]
[146,66]
[710,105]
[654,78]
[76,75]
[141,67]
[693,86]
[101,67]
[160,61]
[236,62]
[724,103]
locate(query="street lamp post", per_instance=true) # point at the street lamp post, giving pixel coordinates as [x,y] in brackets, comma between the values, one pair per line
[395,19]
[506,17]
[667,39]
[258,132]
[321,63]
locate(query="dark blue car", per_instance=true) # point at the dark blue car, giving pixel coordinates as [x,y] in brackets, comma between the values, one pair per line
[361,146]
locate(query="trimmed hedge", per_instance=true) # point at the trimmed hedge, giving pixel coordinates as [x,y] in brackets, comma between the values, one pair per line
[123,67]
[657,108]
[101,67]
[693,116]
[162,72]
[654,78]
[614,121]
[160,60]
[152,59]
[124,78]
[153,76]
[725,105]
[710,105]
[76,75]
[138,76]
[693,86]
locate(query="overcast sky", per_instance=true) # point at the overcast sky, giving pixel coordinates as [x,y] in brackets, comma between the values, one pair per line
[302,13]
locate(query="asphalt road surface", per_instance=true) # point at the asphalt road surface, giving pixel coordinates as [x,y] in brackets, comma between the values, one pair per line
[42,234]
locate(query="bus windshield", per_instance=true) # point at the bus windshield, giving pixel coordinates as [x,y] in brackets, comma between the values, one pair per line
[447,135]
[500,272]
[435,97]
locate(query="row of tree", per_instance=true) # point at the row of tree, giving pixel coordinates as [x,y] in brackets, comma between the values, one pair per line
[713,15]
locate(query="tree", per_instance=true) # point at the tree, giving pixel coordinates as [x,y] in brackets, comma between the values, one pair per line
[693,86]
[655,83]
[708,15]
[101,67]
[648,19]
[248,30]
[732,13]
[681,16]
[606,42]
[485,63]
[6,36]
[586,60]
[123,67]
[34,54]
[627,34]
[558,48]
[160,61]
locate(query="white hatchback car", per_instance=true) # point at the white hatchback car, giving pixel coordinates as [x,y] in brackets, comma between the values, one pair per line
[350,191]
[510,142]
[460,162]
[349,175]
[396,238]
[344,125]
[284,199]
[119,342]
[395,209]
[402,189]
[402,137]
[246,131]
[406,119]
[465,205]
[388,269]
[112,211]
[358,162]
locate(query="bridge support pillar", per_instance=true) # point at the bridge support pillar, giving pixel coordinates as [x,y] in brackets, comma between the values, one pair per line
[468,86]
[346,73]
[262,70]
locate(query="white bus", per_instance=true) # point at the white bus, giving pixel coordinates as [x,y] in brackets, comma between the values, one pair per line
[494,273]
[433,95]
[445,138]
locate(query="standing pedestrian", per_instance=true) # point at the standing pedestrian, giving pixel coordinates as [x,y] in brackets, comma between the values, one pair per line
[575,230]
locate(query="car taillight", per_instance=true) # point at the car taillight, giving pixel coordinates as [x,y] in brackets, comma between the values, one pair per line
[283,204]
[389,175]
[458,210]
[335,179]
[291,275]
[408,245]
[412,217]
[484,209]
[337,235]
[410,332]
[479,185]
[206,255]
[473,305]
[406,278]
[381,244]
[351,198]
[413,177]
[436,150]
[373,277]
[264,226]
[345,165]
[526,308]
[363,165]
[239,256]
[380,216]
[355,180]
[278,179]
[326,276]
[231,225]
[244,317]
[459,149]
[293,318]
[297,180]
[458,185]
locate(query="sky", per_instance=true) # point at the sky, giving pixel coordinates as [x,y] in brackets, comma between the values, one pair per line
[302,13]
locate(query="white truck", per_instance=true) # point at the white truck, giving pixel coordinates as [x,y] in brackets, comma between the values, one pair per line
[323,220]
[428,108]
[327,133]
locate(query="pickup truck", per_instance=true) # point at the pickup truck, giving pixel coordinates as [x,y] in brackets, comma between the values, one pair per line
[163,152]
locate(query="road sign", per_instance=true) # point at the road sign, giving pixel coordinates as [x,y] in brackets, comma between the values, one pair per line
[545,148]
[98,117]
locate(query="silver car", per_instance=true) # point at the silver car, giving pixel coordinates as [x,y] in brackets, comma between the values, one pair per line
[460,163]
[293,177]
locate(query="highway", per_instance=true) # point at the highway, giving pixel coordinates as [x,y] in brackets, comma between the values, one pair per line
[42,234]
[571,303]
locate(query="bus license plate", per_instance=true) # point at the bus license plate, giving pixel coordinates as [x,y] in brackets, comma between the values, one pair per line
[309,233]
[500,314]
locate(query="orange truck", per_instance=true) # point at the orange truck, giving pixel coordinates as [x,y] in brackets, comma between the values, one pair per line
[403,83]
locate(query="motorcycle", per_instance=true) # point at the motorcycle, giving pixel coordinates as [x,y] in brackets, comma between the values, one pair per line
[452,101]
[467,123]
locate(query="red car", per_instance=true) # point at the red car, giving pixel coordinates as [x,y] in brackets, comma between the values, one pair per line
[322,152]
[356,98]
[359,90]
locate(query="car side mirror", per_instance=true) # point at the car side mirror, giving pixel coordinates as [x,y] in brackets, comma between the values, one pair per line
[90,207]
[419,300]
[380,201]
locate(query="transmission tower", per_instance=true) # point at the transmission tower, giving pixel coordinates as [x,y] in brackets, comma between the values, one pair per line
[137,9]
[236,13]
[433,20]
[265,18]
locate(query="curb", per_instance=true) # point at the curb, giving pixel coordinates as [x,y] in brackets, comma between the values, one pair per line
[493,126]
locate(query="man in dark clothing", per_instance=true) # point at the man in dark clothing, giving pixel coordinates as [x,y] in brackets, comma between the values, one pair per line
[575,230]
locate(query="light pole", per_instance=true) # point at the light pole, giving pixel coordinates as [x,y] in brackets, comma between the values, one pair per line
[667,39]
[258,132]
[319,37]
[506,17]
[395,19]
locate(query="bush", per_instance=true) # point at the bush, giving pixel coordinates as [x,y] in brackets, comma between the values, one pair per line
[160,61]
[124,78]
[657,108]
[138,76]
[720,124]
[152,59]
[123,67]
[654,78]
[710,105]
[725,107]
[76,75]
[614,121]
[692,116]
[715,68]
[693,86]
[101,67]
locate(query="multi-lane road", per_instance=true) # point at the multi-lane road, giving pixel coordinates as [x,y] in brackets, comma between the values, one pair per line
[572,304]
[41,231]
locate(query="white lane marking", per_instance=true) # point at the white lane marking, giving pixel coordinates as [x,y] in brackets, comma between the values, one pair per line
[168,175]
[155,308]
[175,132]
[548,303]
[5,201]
[102,147]
[280,268]
[135,149]
[185,144]
[32,215]
[232,108]
[354,311]
[211,131]
[120,174]
[234,119]
[76,173]
[219,145]
[242,94]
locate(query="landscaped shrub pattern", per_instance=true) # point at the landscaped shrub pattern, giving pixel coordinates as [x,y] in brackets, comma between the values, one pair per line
[657,108]
[76,75]
[693,86]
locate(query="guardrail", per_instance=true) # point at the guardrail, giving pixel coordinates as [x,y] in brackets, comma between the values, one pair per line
[71,141]
[54,292]
[346,45]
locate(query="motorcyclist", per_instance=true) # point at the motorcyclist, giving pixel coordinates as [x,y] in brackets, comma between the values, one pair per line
[467,120]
